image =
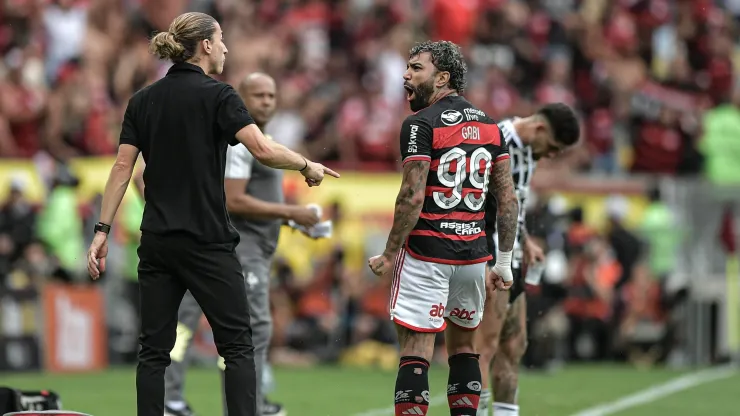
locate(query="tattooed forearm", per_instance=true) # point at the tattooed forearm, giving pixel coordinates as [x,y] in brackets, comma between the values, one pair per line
[508,206]
[408,204]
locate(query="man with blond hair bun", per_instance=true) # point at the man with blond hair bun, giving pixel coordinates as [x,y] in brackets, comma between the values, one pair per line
[183,125]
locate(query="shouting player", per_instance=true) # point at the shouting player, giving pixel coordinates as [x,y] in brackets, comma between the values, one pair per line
[254,199]
[503,337]
[437,248]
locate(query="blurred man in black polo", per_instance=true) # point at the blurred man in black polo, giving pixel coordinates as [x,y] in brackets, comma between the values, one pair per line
[182,124]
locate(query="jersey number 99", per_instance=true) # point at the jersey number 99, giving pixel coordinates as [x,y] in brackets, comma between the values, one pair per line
[479,158]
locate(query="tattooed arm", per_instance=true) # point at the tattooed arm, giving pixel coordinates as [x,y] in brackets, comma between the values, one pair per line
[502,188]
[409,202]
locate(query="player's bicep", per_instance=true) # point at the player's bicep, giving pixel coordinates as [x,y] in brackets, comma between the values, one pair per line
[416,141]
[415,172]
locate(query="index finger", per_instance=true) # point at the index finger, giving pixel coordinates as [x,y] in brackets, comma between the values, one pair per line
[331,172]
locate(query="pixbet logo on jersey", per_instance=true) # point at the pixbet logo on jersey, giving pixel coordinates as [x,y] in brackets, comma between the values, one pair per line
[462,314]
[462,228]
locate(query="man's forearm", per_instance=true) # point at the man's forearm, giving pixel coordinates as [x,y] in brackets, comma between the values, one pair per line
[506,223]
[251,207]
[115,189]
[268,152]
[405,217]
[508,207]
[280,157]
[409,202]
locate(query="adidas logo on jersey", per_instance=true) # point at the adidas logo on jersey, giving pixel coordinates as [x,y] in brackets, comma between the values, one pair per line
[416,410]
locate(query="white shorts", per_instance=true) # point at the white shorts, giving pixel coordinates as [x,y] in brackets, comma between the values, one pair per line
[424,293]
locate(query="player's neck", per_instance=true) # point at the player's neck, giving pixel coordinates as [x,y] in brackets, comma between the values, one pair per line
[442,94]
[202,63]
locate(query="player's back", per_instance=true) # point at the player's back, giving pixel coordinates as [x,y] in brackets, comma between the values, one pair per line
[462,143]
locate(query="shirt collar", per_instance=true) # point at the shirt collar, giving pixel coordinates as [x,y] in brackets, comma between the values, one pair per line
[185,66]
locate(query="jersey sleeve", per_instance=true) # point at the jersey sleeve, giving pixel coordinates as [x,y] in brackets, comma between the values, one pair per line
[239,163]
[416,140]
[232,114]
[129,134]
[503,148]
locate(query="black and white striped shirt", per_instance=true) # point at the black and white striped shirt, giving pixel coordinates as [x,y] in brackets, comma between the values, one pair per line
[522,169]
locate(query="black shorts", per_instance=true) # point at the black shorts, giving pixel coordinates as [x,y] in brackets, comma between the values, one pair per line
[518,287]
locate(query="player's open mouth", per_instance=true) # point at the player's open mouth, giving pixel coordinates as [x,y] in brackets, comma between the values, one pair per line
[409,92]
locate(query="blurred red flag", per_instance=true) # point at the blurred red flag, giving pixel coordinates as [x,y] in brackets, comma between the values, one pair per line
[727,231]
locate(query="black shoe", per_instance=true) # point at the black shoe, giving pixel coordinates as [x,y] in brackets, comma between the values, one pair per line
[273,409]
[186,411]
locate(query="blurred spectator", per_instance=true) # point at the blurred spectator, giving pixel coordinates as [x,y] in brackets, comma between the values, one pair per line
[578,232]
[721,127]
[64,22]
[626,246]
[18,219]
[317,328]
[591,293]
[22,101]
[663,233]
[643,331]
[60,226]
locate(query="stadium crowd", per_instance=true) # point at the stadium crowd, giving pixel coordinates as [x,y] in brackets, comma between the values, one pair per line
[655,81]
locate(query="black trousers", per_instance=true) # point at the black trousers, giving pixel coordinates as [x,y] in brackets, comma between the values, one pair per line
[168,266]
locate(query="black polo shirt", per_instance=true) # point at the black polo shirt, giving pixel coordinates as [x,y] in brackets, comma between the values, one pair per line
[182,125]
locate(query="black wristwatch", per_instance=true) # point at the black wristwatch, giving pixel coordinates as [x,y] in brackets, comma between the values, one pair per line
[102,227]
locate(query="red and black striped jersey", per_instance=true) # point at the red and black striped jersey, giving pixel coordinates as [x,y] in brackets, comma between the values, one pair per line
[462,144]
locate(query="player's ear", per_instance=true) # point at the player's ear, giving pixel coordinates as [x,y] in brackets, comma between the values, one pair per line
[443,77]
[207,45]
[542,127]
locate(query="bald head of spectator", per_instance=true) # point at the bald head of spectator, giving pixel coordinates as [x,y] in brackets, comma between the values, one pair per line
[259,92]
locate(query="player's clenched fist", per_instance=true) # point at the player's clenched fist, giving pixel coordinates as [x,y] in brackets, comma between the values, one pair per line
[498,282]
[380,265]
[500,275]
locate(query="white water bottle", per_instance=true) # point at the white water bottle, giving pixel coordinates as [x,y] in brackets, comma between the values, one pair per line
[534,273]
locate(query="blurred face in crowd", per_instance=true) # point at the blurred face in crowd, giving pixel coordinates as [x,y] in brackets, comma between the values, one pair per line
[420,78]
[259,94]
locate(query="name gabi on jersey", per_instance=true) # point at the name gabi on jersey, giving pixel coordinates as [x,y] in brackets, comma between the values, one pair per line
[473,114]
[470,133]
[462,228]
[412,139]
